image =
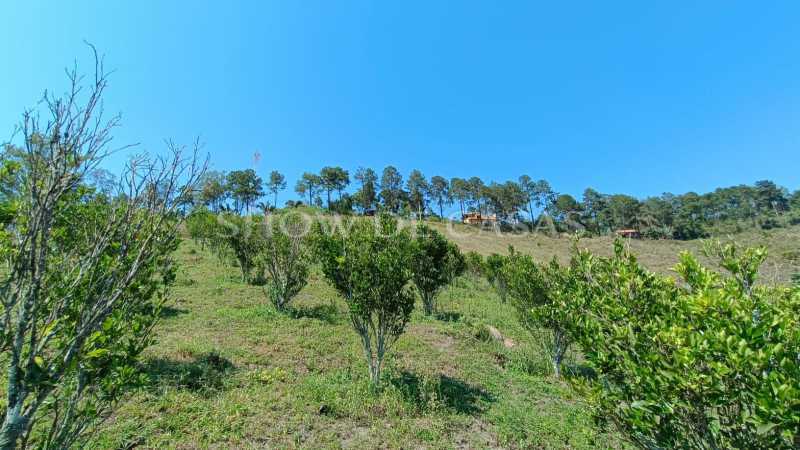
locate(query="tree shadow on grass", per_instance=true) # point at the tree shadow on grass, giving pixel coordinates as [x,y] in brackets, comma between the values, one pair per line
[449,316]
[449,392]
[324,313]
[204,373]
[171,311]
[579,371]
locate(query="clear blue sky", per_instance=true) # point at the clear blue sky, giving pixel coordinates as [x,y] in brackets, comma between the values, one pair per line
[632,97]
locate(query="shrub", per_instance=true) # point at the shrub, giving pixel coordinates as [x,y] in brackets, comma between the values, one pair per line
[494,273]
[544,297]
[284,258]
[711,362]
[435,262]
[242,236]
[87,273]
[370,267]
[201,225]
[474,263]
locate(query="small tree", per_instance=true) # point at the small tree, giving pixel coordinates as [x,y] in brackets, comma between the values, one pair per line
[436,262]
[242,237]
[370,266]
[276,183]
[493,268]
[544,296]
[284,258]
[201,225]
[87,274]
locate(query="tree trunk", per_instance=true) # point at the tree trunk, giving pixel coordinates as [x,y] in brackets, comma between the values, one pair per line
[13,425]
[530,210]
[428,305]
[560,344]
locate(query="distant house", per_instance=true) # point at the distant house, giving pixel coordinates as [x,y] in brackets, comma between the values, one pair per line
[629,233]
[475,218]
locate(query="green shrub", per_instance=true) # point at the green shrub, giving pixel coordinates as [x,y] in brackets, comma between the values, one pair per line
[284,258]
[544,296]
[201,225]
[493,268]
[371,268]
[709,362]
[475,264]
[243,237]
[435,262]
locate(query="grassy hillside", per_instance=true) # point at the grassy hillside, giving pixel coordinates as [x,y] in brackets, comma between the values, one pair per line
[783,245]
[228,371]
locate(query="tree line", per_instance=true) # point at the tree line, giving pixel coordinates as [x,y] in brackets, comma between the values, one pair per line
[524,203]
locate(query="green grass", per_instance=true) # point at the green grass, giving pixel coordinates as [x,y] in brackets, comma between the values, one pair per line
[230,372]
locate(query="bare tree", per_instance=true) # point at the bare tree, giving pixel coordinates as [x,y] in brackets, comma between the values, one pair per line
[86,278]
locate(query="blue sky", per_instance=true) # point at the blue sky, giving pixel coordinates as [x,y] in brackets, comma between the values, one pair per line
[632,97]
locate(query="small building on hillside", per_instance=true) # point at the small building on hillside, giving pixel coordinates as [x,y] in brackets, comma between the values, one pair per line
[629,233]
[475,218]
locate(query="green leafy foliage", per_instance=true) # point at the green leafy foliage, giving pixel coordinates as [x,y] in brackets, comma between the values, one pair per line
[436,262]
[475,263]
[544,297]
[710,362]
[284,258]
[202,226]
[370,266]
[242,237]
[493,269]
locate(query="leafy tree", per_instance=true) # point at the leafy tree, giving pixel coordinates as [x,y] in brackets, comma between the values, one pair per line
[710,362]
[343,205]
[79,302]
[544,194]
[459,190]
[334,179]
[245,188]
[770,197]
[213,191]
[309,183]
[528,187]
[417,187]
[565,208]
[494,270]
[624,211]
[594,210]
[276,183]
[476,190]
[475,263]
[505,199]
[544,296]
[243,238]
[201,225]
[436,262]
[440,193]
[371,268]
[367,195]
[391,189]
[284,258]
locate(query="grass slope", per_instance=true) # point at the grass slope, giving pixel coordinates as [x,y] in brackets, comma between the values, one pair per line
[228,372]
